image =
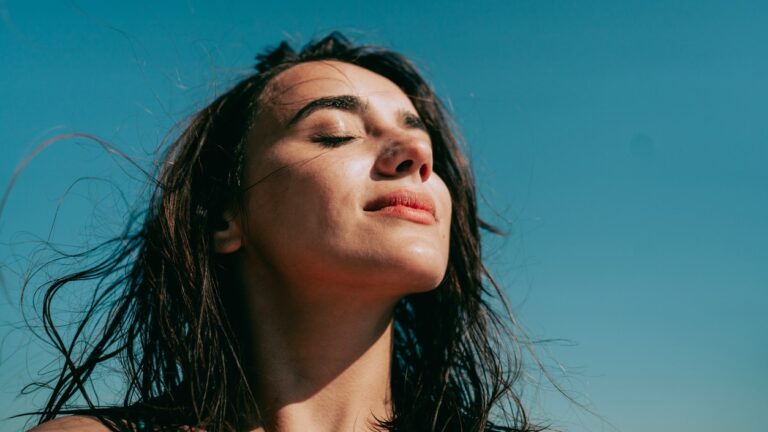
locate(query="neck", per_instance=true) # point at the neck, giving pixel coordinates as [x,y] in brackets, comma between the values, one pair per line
[321,364]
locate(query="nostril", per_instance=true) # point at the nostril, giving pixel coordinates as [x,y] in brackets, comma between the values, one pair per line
[424,171]
[404,166]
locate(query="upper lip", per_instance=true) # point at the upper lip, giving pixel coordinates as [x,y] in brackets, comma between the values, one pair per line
[403,197]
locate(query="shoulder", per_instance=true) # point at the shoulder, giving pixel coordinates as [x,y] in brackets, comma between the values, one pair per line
[72,424]
[79,423]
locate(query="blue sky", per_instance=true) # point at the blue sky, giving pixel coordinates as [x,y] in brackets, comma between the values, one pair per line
[622,145]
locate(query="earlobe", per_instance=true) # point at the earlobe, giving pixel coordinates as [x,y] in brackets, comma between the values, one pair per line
[227,236]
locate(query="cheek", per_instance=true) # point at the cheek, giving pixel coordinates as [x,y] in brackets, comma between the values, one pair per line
[329,189]
[443,197]
[286,208]
[306,207]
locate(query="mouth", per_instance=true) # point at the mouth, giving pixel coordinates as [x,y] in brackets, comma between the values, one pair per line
[405,204]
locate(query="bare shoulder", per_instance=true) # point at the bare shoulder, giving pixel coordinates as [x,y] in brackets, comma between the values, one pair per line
[72,424]
[77,423]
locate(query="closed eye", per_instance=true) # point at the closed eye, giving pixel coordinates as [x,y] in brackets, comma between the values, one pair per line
[413,121]
[332,140]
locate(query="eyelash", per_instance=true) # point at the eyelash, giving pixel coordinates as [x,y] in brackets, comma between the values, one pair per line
[415,122]
[332,140]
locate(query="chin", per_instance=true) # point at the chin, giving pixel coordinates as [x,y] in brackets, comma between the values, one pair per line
[418,271]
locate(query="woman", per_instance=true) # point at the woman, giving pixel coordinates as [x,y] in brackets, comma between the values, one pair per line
[309,261]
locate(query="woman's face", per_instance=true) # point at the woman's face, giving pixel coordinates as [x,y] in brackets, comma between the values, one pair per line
[340,188]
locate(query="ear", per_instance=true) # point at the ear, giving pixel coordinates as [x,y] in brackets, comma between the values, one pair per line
[227,235]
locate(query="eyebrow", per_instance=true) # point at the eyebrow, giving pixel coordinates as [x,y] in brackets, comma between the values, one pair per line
[351,104]
[344,102]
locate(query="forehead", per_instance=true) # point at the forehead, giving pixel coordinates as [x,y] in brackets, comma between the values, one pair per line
[300,84]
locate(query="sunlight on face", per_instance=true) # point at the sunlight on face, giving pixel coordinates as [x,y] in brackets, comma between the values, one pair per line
[340,188]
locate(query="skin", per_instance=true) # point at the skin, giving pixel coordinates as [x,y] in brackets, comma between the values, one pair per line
[71,424]
[320,274]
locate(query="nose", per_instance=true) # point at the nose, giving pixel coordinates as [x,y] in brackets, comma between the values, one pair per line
[405,155]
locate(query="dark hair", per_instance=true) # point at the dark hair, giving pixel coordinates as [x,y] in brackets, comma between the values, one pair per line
[173,326]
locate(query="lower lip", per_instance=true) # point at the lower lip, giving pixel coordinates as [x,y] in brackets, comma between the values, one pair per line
[408,213]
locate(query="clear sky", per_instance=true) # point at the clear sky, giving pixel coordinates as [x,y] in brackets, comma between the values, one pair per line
[622,145]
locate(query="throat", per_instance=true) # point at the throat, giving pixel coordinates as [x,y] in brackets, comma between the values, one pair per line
[324,369]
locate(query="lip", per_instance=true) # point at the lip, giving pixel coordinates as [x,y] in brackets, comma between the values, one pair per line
[406,204]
